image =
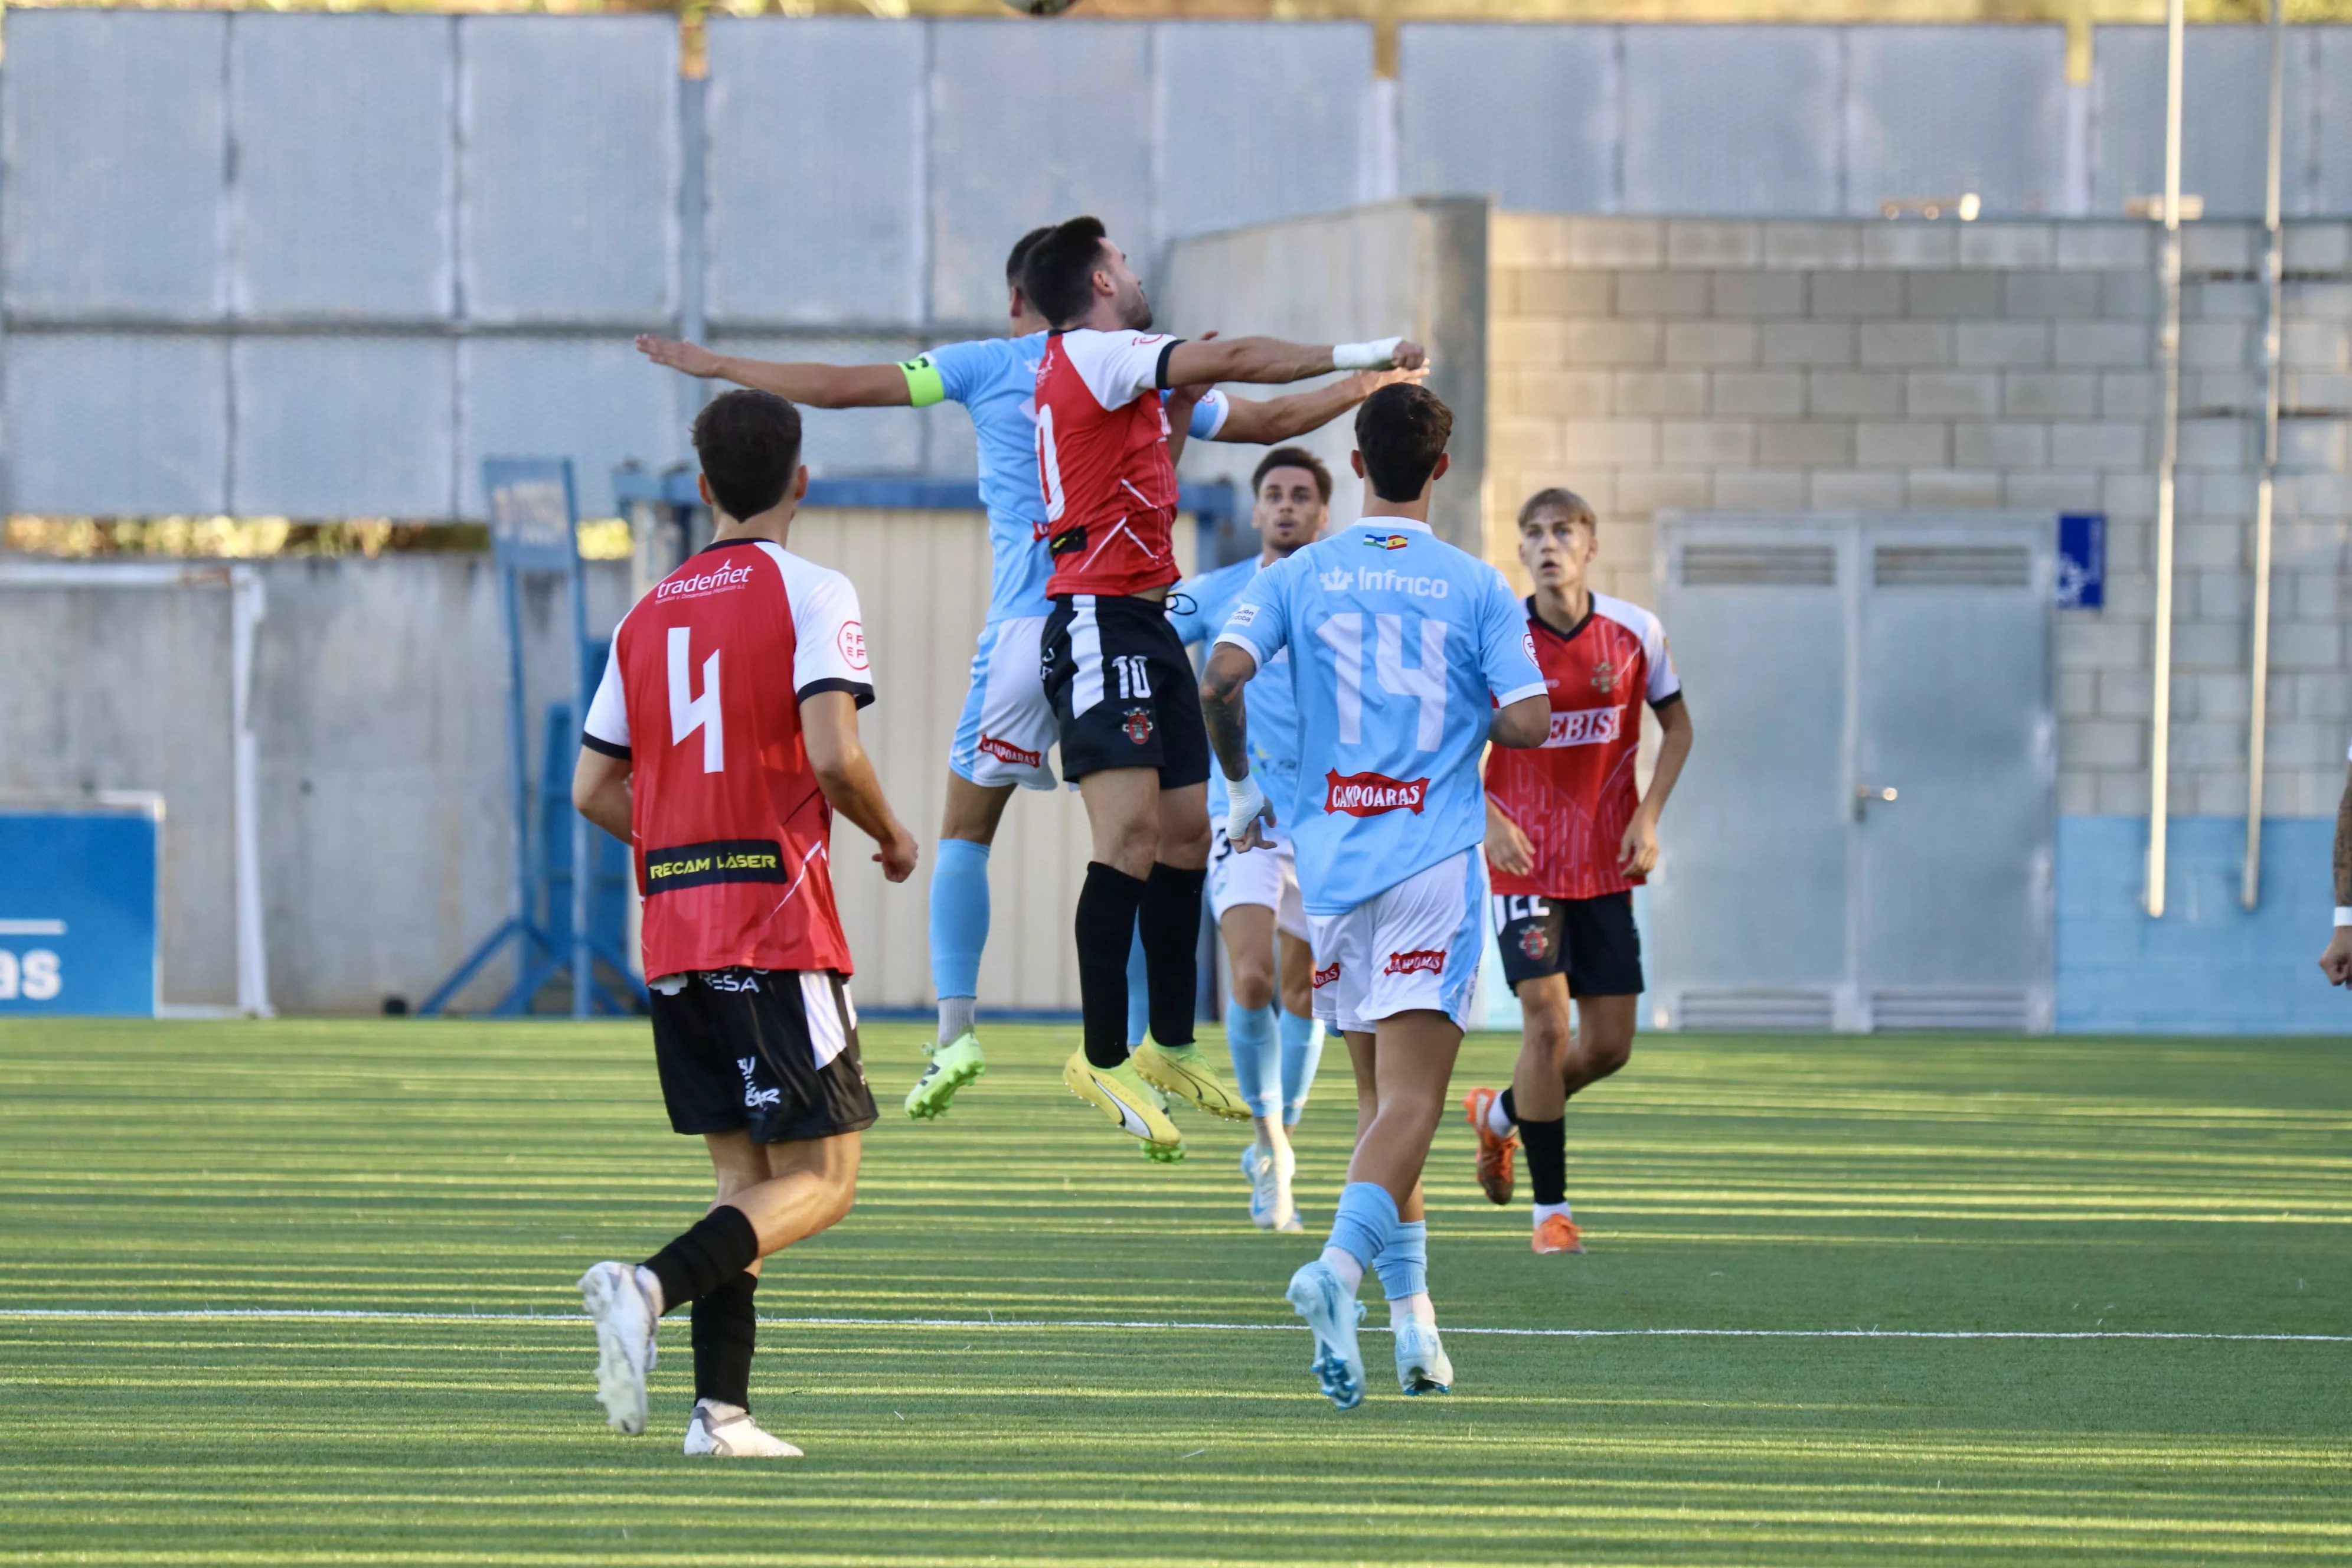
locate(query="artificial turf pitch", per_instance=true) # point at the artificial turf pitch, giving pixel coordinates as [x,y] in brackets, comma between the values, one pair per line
[185,1173]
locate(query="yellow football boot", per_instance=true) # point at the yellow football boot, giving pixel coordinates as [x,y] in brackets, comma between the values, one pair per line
[1126,1100]
[1183,1071]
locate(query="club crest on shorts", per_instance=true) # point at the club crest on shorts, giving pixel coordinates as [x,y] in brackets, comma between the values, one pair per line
[1137,725]
[1534,943]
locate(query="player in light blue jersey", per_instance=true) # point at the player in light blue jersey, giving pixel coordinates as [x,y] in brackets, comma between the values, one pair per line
[1407,656]
[1255,896]
[1007,725]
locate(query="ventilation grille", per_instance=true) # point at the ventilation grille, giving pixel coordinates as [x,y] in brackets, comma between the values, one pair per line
[1811,1011]
[1953,567]
[1759,565]
[1980,1011]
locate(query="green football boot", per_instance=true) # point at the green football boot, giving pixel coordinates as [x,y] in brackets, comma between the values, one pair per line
[952,1065]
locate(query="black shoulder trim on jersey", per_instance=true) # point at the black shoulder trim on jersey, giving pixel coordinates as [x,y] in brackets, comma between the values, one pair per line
[1535,616]
[1668,700]
[729,544]
[592,744]
[857,688]
[1159,375]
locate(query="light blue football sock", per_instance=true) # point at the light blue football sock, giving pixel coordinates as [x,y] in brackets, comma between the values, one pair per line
[1366,1222]
[1403,1264]
[1138,992]
[958,929]
[1302,1051]
[1249,1035]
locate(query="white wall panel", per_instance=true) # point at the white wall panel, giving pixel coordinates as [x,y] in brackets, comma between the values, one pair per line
[592,400]
[333,427]
[2225,96]
[1733,121]
[1527,114]
[1941,111]
[118,422]
[1257,121]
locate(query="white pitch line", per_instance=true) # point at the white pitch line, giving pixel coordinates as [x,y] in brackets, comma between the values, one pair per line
[157,1314]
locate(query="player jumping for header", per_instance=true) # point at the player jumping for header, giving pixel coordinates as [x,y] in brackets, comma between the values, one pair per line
[725,776]
[1255,896]
[1406,656]
[1007,725]
[1124,693]
[1568,836]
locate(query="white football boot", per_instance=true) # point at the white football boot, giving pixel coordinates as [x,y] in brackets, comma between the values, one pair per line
[624,1322]
[1421,1365]
[728,1432]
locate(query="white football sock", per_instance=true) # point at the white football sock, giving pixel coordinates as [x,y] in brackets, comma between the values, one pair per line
[1544,1211]
[650,1283]
[1343,1263]
[956,1017]
[1497,1123]
[1416,1308]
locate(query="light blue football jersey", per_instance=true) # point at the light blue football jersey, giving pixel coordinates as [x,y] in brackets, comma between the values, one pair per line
[1400,647]
[1206,603]
[996,381]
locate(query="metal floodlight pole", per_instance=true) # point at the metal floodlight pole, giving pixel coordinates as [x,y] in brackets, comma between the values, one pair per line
[2159,759]
[2250,888]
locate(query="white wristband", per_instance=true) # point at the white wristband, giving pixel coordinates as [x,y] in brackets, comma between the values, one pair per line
[2343,915]
[1378,354]
[1243,800]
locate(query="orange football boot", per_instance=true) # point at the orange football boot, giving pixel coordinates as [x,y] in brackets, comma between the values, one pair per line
[1495,1155]
[1558,1234]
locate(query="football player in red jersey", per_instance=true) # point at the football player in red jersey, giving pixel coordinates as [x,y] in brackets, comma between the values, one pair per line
[1125,699]
[1569,836]
[725,775]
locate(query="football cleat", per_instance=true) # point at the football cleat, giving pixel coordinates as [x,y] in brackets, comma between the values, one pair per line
[1495,1155]
[1270,1204]
[951,1067]
[1330,1308]
[624,1342]
[1184,1072]
[1558,1233]
[728,1432]
[1421,1363]
[1126,1100]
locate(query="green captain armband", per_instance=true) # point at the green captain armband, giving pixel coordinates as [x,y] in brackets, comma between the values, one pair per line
[923,384]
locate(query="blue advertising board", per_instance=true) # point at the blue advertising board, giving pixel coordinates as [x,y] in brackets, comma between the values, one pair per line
[77,913]
[2082,560]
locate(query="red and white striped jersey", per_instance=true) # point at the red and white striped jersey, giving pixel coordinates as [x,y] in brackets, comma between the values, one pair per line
[732,833]
[1573,795]
[1103,462]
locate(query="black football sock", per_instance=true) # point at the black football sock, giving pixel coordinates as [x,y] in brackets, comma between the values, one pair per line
[724,1325]
[716,1248]
[1547,1146]
[1106,905]
[1171,922]
[1504,1100]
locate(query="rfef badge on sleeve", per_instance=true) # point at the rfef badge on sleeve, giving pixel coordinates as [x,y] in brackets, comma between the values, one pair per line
[2082,560]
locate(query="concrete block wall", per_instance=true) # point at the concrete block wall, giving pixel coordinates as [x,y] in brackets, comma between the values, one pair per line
[1786,367]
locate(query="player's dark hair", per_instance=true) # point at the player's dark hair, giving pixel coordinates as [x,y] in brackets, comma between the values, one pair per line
[1293,457]
[1401,430]
[1567,503]
[749,445]
[1021,249]
[1058,272]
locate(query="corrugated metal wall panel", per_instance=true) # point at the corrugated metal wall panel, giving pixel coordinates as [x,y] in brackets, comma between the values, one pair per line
[2323,122]
[333,426]
[815,172]
[1733,119]
[1032,125]
[1527,114]
[344,165]
[592,400]
[568,174]
[1258,122]
[118,422]
[1939,112]
[116,152]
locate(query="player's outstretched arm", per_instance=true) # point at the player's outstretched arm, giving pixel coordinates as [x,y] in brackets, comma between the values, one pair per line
[1279,419]
[1637,849]
[1271,360]
[818,385]
[1523,725]
[846,775]
[2337,961]
[600,791]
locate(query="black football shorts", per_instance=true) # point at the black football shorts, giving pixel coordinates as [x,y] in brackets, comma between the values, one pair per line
[1591,941]
[772,1052]
[1123,691]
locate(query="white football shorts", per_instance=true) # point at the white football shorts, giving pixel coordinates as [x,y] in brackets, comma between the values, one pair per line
[1415,947]
[1266,875]
[1007,725]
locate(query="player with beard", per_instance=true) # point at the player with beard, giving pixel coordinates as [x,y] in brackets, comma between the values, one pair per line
[1124,693]
[1568,836]
[1254,898]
